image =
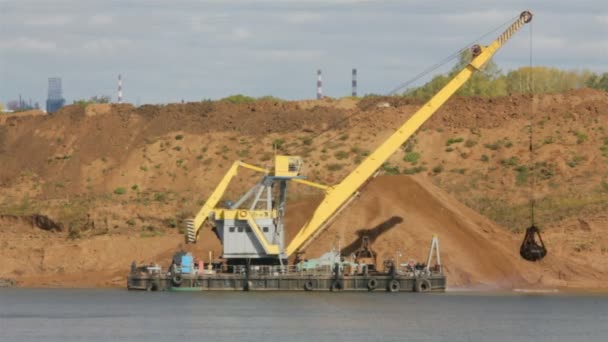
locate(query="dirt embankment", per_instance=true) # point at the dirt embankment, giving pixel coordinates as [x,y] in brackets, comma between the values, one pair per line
[118,180]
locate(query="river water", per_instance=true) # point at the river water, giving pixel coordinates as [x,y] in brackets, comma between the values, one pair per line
[117,315]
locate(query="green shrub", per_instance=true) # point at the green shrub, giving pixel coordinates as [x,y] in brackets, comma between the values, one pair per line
[160,197]
[459,171]
[171,222]
[389,169]
[179,137]
[604,148]
[120,191]
[438,169]
[470,143]
[580,137]
[495,146]
[522,175]
[513,161]
[454,141]
[343,137]
[278,143]
[135,187]
[341,155]
[412,157]
[575,161]
[238,98]
[485,158]
[334,167]
[414,170]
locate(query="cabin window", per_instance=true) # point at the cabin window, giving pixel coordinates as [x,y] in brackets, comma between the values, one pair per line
[231,229]
[240,229]
[265,229]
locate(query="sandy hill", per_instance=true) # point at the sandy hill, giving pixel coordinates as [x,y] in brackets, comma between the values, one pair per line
[121,179]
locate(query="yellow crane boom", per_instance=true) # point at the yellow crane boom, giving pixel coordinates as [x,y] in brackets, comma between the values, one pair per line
[194,226]
[339,194]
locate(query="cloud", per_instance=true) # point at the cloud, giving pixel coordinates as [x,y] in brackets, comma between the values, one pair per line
[240,33]
[101,20]
[105,45]
[486,18]
[27,44]
[281,55]
[47,20]
[302,17]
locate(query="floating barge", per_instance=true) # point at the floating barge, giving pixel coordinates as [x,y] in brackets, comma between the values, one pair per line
[331,272]
[277,278]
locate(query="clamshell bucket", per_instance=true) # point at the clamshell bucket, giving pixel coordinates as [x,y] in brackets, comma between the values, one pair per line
[530,249]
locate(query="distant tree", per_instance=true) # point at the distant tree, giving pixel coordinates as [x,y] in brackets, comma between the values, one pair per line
[545,80]
[598,82]
[238,98]
[92,100]
[484,83]
[491,82]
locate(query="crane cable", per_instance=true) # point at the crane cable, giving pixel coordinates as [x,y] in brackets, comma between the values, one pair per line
[448,58]
[533,165]
[409,82]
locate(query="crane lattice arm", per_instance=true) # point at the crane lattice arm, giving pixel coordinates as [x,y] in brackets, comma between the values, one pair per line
[195,225]
[338,195]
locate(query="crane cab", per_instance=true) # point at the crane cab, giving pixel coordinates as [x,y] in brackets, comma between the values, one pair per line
[287,166]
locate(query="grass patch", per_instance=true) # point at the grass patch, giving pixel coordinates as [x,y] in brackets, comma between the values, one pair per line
[120,191]
[580,137]
[341,155]
[334,167]
[278,143]
[510,162]
[412,157]
[453,141]
[438,169]
[604,148]
[390,169]
[522,173]
[238,98]
[516,217]
[414,170]
[575,161]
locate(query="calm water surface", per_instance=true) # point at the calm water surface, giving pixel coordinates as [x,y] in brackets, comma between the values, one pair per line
[117,315]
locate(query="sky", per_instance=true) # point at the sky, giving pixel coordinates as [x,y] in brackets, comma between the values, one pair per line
[169,51]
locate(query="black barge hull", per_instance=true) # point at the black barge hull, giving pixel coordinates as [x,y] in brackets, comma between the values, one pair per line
[233,282]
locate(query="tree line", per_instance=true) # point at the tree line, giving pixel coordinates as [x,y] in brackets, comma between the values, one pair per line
[492,82]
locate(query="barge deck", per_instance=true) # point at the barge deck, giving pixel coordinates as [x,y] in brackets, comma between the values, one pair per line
[324,279]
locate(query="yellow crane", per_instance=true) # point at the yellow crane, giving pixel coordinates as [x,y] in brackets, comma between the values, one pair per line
[262,227]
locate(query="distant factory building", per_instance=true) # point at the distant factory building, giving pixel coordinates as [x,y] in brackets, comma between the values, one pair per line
[55,98]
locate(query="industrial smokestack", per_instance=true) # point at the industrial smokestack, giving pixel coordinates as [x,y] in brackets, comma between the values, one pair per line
[354,83]
[319,85]
[119,88]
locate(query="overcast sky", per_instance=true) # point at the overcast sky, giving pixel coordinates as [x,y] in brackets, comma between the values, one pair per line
[186,49]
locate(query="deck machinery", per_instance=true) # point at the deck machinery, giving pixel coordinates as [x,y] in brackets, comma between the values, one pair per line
[252,229]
